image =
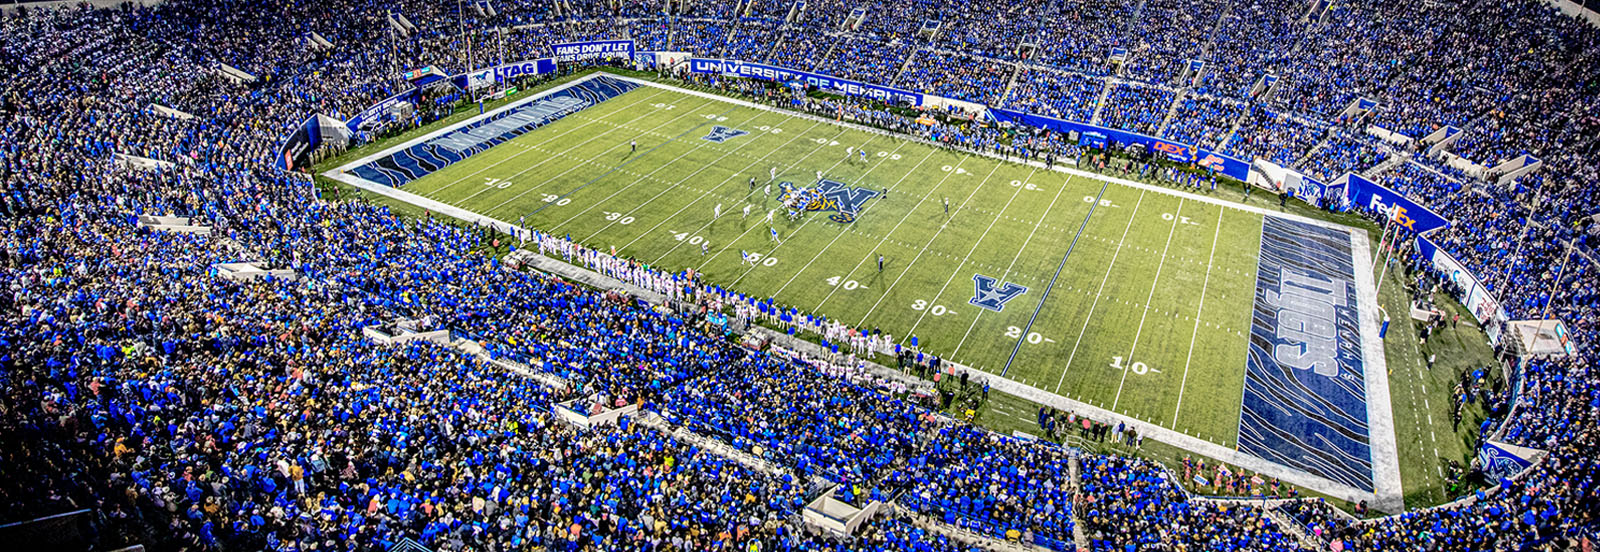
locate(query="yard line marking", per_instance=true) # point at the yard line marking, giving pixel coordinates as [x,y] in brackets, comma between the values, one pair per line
[896,226]
[551,157]
[545,140]
[674,186]
[935,236]
[970,251]
[1104,183]
[1198,310]
[763,160]
[630,161]
[709,222]
[1007,272]
[1098,292]
[1160,263]
[863,210]
[785,240]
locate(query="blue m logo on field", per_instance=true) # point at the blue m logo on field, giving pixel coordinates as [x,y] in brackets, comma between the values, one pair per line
[986,295]
[829,195]
[720,134]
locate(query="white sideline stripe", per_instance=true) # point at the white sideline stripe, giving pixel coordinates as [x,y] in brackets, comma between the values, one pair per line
[925,246]
[591,160]
[1007,273]
[1099,292]
[1197,312]
[903,219]
[1155,283]
[1386,482]
[1036,164]
[696,201]
[520,154]
[707,193]
[784,239]
[842,232]
[970,251]
[1385,462]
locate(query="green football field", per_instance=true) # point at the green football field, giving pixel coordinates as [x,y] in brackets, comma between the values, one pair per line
[1149,294]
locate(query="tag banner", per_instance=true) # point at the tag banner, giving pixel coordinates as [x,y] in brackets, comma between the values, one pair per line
[503,73]
[827,83]
[1404,212]
[1474,294]
[574,51]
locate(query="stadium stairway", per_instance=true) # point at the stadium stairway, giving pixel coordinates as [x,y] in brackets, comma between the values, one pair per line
[1100,103]
[1011,84]
[1076,468]
[904,65]
[971,537]
[1177,99]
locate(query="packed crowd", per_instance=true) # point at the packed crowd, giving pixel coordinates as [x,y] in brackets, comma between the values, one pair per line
[192,412]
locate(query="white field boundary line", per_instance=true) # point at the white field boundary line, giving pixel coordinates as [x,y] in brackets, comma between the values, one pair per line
[903,219]
[782,240]
[706,193]
[1193,336]
[842,232]
[1382,443]
[1036,164]
[935,236]
[528,148]
[756,161]
[1007,272]
[1155,283]
[1000,383]
[548,158]
[651,176]
[963,263]
[1099,292]
[435,134]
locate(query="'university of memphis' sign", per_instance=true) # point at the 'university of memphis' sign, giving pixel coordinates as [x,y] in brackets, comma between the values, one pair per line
[574,51]
[745,69]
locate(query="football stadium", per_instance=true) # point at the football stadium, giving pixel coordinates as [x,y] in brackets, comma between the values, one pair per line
[1108,275]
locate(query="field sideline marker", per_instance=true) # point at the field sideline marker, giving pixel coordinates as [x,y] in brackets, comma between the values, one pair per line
[1177,217]
[1197,311]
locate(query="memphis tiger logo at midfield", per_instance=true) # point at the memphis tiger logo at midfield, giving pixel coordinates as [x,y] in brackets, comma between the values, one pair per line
[720,134]
[844,201]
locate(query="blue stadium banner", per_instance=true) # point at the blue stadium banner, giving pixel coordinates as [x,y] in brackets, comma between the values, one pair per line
[510,71]
[1100,137]
[574,51]
[1181,153]
[1473,294]
[1408,214]
[828,83]
[374,115]
[1232,167]
[1499,463]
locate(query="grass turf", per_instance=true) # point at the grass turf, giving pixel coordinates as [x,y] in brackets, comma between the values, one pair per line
[1147,317]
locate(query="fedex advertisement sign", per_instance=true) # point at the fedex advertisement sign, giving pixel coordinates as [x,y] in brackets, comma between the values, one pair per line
[1403,212]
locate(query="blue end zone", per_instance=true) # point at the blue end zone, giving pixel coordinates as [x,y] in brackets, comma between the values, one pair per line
[467,140]
[1305,402]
